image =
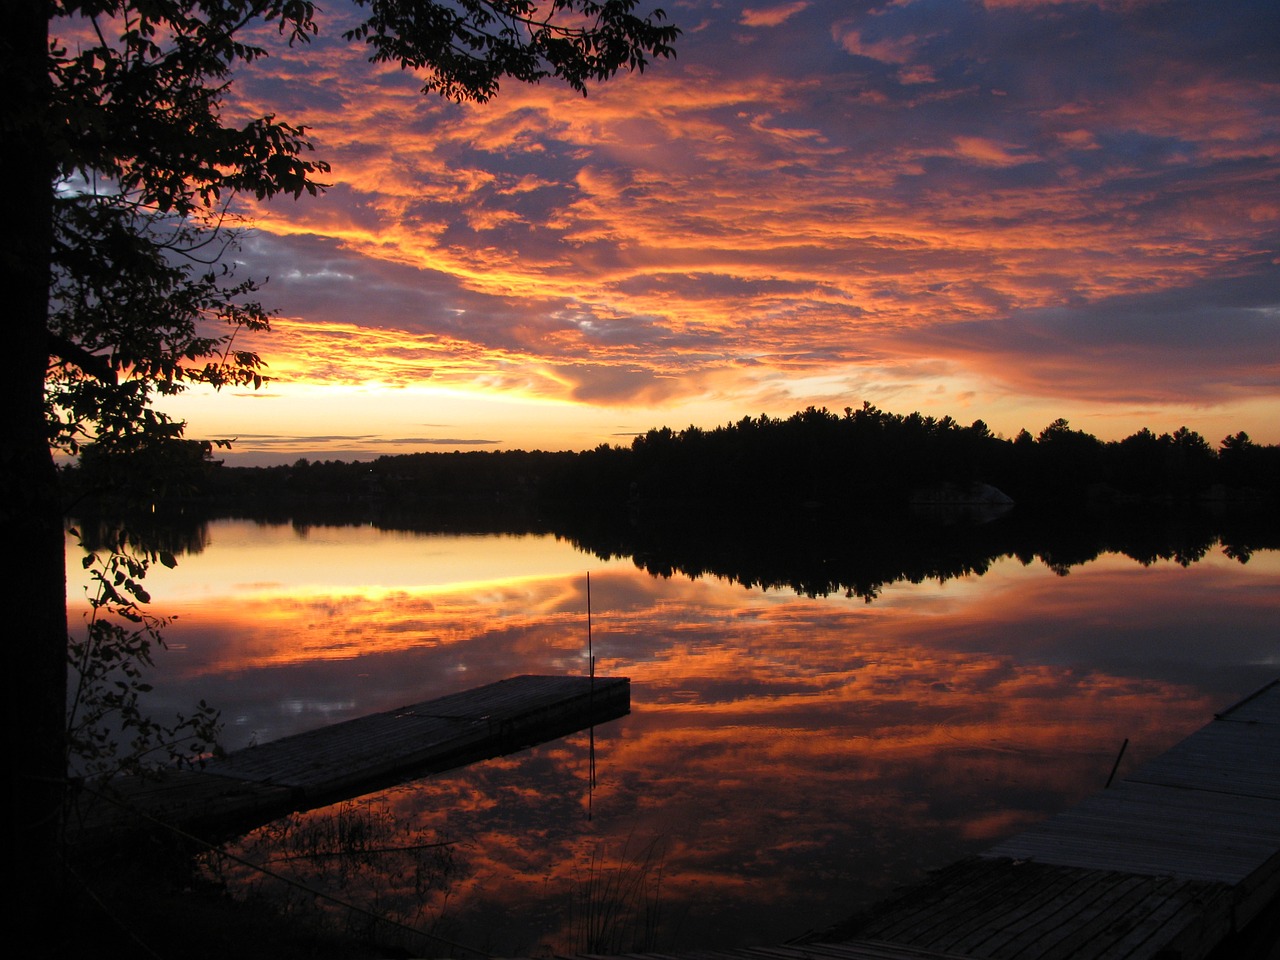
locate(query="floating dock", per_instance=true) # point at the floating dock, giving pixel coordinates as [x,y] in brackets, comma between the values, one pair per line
[250,787]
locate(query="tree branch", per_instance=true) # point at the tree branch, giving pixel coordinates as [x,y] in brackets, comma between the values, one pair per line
[97,367]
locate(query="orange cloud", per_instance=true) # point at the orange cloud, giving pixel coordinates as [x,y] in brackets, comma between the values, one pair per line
[748,231]
[771,16]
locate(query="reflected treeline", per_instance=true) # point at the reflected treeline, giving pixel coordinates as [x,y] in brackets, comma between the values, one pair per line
[183,529]
[813,549]
[818,553]
[176,532]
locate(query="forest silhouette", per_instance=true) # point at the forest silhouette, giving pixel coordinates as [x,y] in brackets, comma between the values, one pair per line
[818,502]
[862,461]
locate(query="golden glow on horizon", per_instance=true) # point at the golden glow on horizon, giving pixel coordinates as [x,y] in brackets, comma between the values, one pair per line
[286,420]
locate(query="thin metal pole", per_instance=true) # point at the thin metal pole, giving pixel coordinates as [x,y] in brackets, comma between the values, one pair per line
[591,751]
[1116,766]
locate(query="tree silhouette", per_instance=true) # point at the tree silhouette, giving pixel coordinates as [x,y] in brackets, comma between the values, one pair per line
[119,168]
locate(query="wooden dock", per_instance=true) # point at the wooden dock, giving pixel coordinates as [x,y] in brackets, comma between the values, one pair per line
[250,787]
[1169,863]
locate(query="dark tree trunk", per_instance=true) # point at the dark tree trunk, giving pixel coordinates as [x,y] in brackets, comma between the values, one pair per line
[30,507]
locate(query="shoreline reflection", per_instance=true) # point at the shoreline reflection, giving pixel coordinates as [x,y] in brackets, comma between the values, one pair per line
[788,758]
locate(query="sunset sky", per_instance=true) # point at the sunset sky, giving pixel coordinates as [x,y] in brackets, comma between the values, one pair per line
[1013,210]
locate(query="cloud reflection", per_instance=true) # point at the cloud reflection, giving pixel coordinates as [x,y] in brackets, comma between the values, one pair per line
[788,758]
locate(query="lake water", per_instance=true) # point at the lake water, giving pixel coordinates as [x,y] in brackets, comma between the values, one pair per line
[787,759]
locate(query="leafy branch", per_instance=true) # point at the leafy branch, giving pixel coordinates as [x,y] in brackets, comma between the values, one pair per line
[108,731]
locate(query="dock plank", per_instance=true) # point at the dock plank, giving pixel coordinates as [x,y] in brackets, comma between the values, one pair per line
[1170,862]
[1150,830]
[418,736]
[1206,810]
[249,787]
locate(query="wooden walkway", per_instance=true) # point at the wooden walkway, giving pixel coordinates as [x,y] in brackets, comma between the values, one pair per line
[250,787]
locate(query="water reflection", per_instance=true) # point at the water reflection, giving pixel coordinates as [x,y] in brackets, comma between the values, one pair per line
[787,758]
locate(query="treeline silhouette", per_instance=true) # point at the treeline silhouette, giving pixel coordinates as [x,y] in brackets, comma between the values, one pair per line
[863,459]
[817,502]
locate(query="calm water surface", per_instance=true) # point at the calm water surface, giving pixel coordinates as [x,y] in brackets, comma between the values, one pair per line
[787,760]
